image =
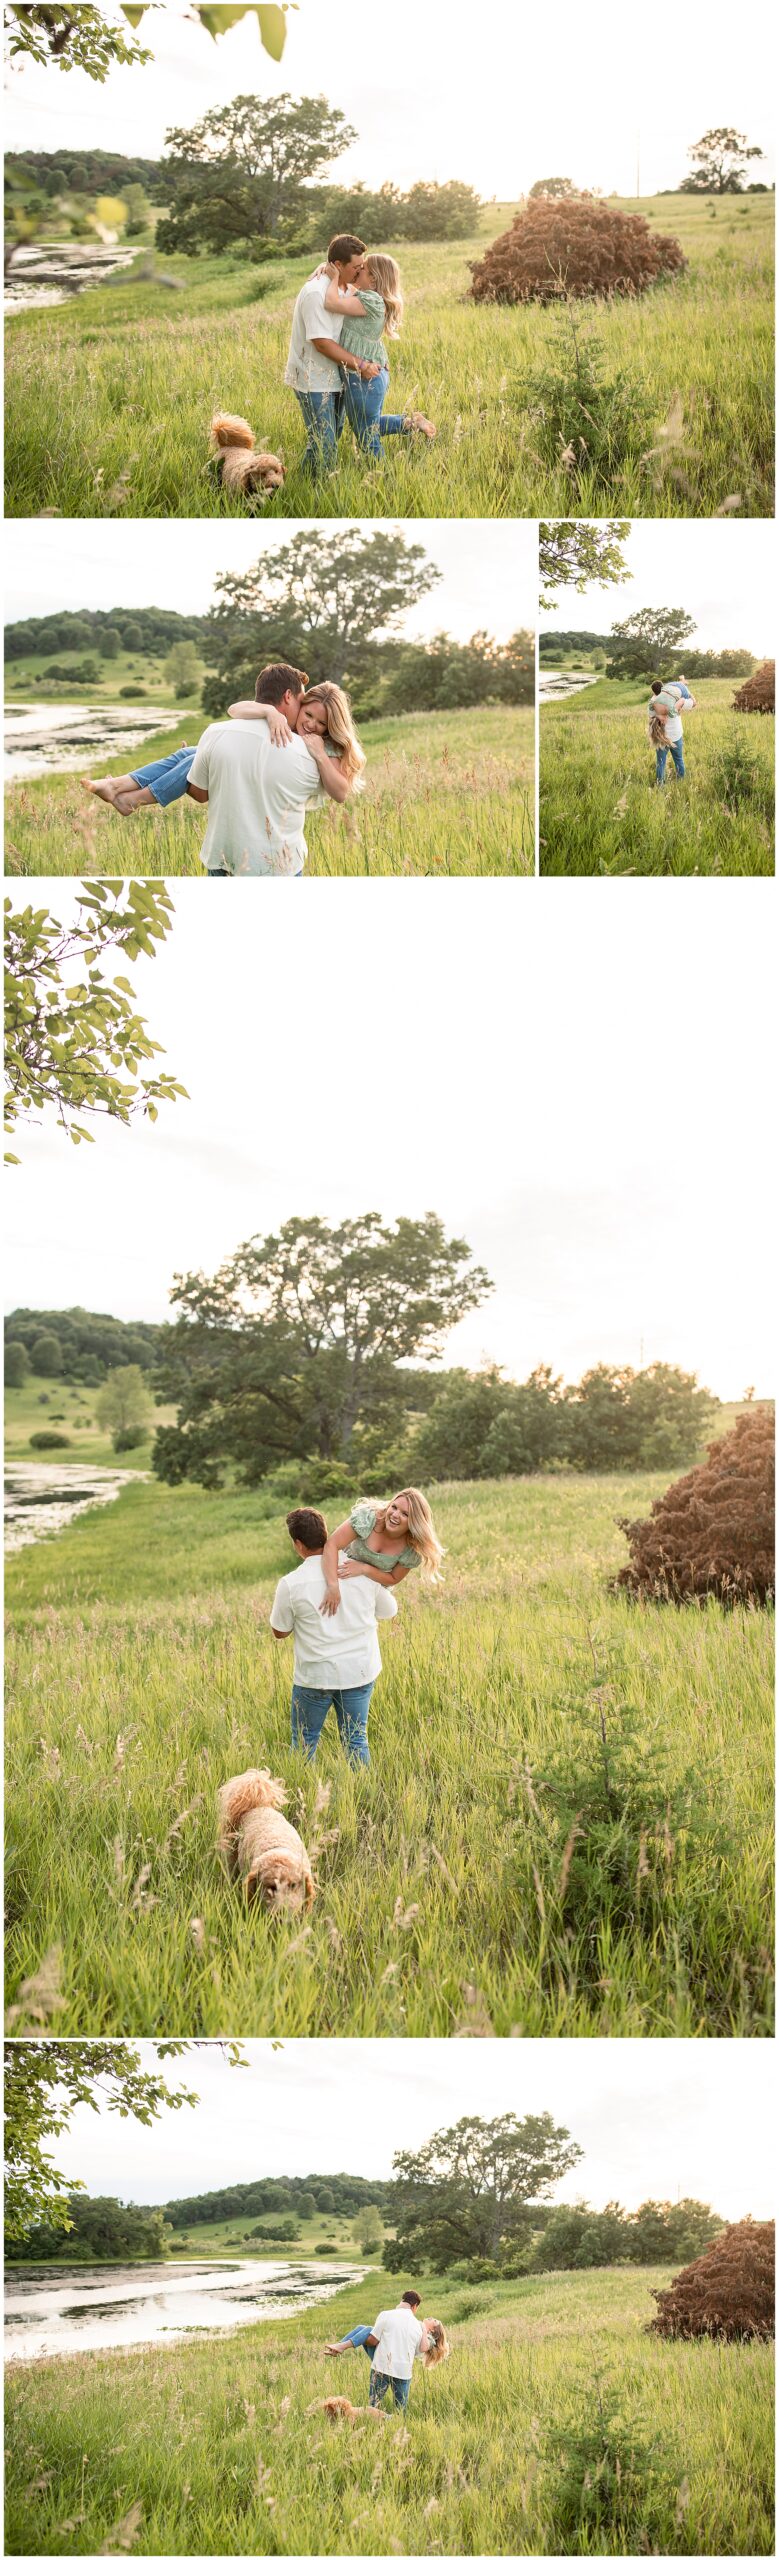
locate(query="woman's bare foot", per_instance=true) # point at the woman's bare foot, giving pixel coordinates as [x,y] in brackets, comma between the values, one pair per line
[105,789]
[422,426]
[335,2351]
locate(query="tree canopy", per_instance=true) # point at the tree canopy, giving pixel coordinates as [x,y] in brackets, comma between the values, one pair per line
[462,2194]
[43,2083]
[77,1044]
[719,162]
[581,555]
[238,175]
[82,38]
[326,601]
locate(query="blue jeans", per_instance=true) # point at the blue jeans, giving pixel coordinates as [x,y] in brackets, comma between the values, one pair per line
[323,414]
[309,1709]
[357,2338]
[167,780]
[363,404]
[677,753]
[381,2383]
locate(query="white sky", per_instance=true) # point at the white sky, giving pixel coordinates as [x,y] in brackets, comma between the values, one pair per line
[550,1066]
[488,570]
[437,91]
[652,2120]
[722,574]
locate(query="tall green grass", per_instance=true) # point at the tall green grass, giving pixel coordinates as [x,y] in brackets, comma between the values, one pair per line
[142,1672]
[448,794]
[109,398]
[601,813]
[208,2448]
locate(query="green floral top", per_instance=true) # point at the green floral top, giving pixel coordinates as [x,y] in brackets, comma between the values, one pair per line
[363,1519]
[363,337]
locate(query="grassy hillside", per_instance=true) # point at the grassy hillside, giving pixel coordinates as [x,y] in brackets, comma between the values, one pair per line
[29,678]
[600,812]
[233,2237]
[142,1672]
[447,792]
[110,396]
[210,2448]
[52,1404]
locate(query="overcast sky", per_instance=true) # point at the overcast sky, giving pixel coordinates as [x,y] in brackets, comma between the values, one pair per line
[661,2120]
[438,91]
[722,574]
[555,1068]
[489,571]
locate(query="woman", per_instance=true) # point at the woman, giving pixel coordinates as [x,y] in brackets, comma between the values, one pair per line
[386,1541]
[324,723]
[372,304]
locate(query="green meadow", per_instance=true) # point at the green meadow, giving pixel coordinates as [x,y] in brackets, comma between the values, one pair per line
[448,793]
[601,813]
[109,396]
[214,2447]
[565,1828]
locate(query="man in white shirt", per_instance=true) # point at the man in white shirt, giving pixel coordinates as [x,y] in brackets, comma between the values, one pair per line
[336,1660]
[398,2338]
[257,793]
[666,700]
[317,362]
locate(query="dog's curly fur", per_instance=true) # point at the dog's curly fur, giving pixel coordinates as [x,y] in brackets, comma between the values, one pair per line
[241,467]
[259,1847]
[338,2407]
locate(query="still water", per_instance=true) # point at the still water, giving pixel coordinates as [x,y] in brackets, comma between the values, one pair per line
[68,737]
[44,273]
[63,2313]
[556,683]
[40,1500]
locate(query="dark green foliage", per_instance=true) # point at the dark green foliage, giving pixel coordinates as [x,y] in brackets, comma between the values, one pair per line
[101,2228]
[131,1437]
[466,2191]
[612,2485]
[320,605]
[345,2194]
[585,420]
[150,630]
[238,176]
[487,1425]
[739,778]
[89,1344]
[46,1355]
[48,1440]
[16,1364]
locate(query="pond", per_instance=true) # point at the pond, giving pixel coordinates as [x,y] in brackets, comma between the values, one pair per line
[45,272]
[42,1499]
[65,2312]
[68,737]
[556,683]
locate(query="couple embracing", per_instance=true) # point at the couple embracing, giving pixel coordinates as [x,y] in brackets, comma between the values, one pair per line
[338,366]
[259,772]
[345,1581]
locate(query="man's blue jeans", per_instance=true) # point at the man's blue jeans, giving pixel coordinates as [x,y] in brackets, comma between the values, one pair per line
[677,753]
[323,413]
[309,1709]
[381,2383]
[363,407]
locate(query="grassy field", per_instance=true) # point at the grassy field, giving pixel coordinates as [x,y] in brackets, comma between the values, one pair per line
[109,397]
[448,792]
[54,1404]
[600,811]
[208,2447]
[232,2237]
[452,1895]
[26,678]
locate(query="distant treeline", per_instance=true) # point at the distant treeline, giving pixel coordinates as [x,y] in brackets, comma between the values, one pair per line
[341,2195]
[388,677]
[147,630]
[548,2238]
[631,657]
[70,1343]
[87,173]
[101,2228]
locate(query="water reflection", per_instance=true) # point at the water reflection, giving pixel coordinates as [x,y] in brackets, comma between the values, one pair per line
[70,737]
[40,1500]
[132,2306]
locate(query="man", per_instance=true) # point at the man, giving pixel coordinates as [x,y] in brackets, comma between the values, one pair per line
[665,703]
[398,2338]
[258,793]
[317,362]
[336,1660]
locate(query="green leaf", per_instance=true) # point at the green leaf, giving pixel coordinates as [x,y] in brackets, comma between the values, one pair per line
[134,15]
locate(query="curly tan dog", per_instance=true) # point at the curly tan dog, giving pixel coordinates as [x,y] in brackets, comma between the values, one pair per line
[259,1846]
[340,2408]
[241,467]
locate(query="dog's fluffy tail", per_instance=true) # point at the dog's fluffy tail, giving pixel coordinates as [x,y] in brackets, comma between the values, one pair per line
[242,1795]
[229,431]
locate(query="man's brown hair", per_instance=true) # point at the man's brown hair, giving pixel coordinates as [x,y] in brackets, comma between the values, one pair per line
[273,682]
[345,246]
[310,1527]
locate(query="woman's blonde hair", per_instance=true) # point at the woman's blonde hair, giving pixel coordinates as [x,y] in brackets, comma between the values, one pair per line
[421,1533]
[341,730]
[386,276]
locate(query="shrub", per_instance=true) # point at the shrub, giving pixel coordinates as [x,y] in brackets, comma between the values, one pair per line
[584,422]
[727,2293]
[17,1366]
[737,777]
[611,2484]
[712,1534]
[131,1437]
[759,694]
[48,1440]
[560,247]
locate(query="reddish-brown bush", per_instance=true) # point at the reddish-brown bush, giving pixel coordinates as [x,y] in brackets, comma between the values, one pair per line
[574,246]
[728,2293]
[759,692]
[712,1533]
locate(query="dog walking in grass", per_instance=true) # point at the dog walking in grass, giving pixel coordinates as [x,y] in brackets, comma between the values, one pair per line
[260,1849]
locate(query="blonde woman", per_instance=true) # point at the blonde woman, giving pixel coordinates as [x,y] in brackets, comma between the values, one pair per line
[324,722]
[386,1541]
[370,306]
